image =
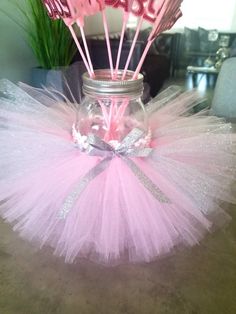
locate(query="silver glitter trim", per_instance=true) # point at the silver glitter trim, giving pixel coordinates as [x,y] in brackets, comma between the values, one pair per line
[98,147]
[144,179]
[81,186]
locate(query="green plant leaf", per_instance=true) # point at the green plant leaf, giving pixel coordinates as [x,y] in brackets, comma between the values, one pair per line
[50,40]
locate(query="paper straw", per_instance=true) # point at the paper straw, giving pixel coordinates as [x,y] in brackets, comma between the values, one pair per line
[104,112]
[108,42]
[149,43]
[80,50]
[132,47]
[86,49]
[110,119]
[169,11]
[135,38]
[125,20]
[162,23]
[89,66]
[122,109]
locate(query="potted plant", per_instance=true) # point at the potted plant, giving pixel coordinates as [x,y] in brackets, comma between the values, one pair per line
[51,43]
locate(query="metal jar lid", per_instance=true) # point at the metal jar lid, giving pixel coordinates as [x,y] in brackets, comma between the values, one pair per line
[103,85]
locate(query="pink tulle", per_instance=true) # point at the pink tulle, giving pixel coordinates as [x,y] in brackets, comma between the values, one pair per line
[116,218]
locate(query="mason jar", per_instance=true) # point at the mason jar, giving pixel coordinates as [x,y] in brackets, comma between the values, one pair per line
[111,108]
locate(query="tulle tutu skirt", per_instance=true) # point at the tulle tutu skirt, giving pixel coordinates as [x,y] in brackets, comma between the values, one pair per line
[115,218]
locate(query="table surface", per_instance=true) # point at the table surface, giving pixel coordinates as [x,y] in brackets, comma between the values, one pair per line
[198,280]
[207,70]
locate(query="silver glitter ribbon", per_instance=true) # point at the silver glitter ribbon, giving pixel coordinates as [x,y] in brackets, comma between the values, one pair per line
[126,149]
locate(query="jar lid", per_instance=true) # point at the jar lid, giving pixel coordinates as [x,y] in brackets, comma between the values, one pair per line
[103,85]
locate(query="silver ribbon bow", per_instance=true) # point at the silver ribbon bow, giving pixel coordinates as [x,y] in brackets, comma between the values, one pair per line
[126,149]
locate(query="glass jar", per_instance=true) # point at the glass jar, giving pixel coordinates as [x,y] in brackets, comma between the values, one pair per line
[111,108]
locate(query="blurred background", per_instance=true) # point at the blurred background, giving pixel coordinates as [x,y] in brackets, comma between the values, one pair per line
[17,58]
